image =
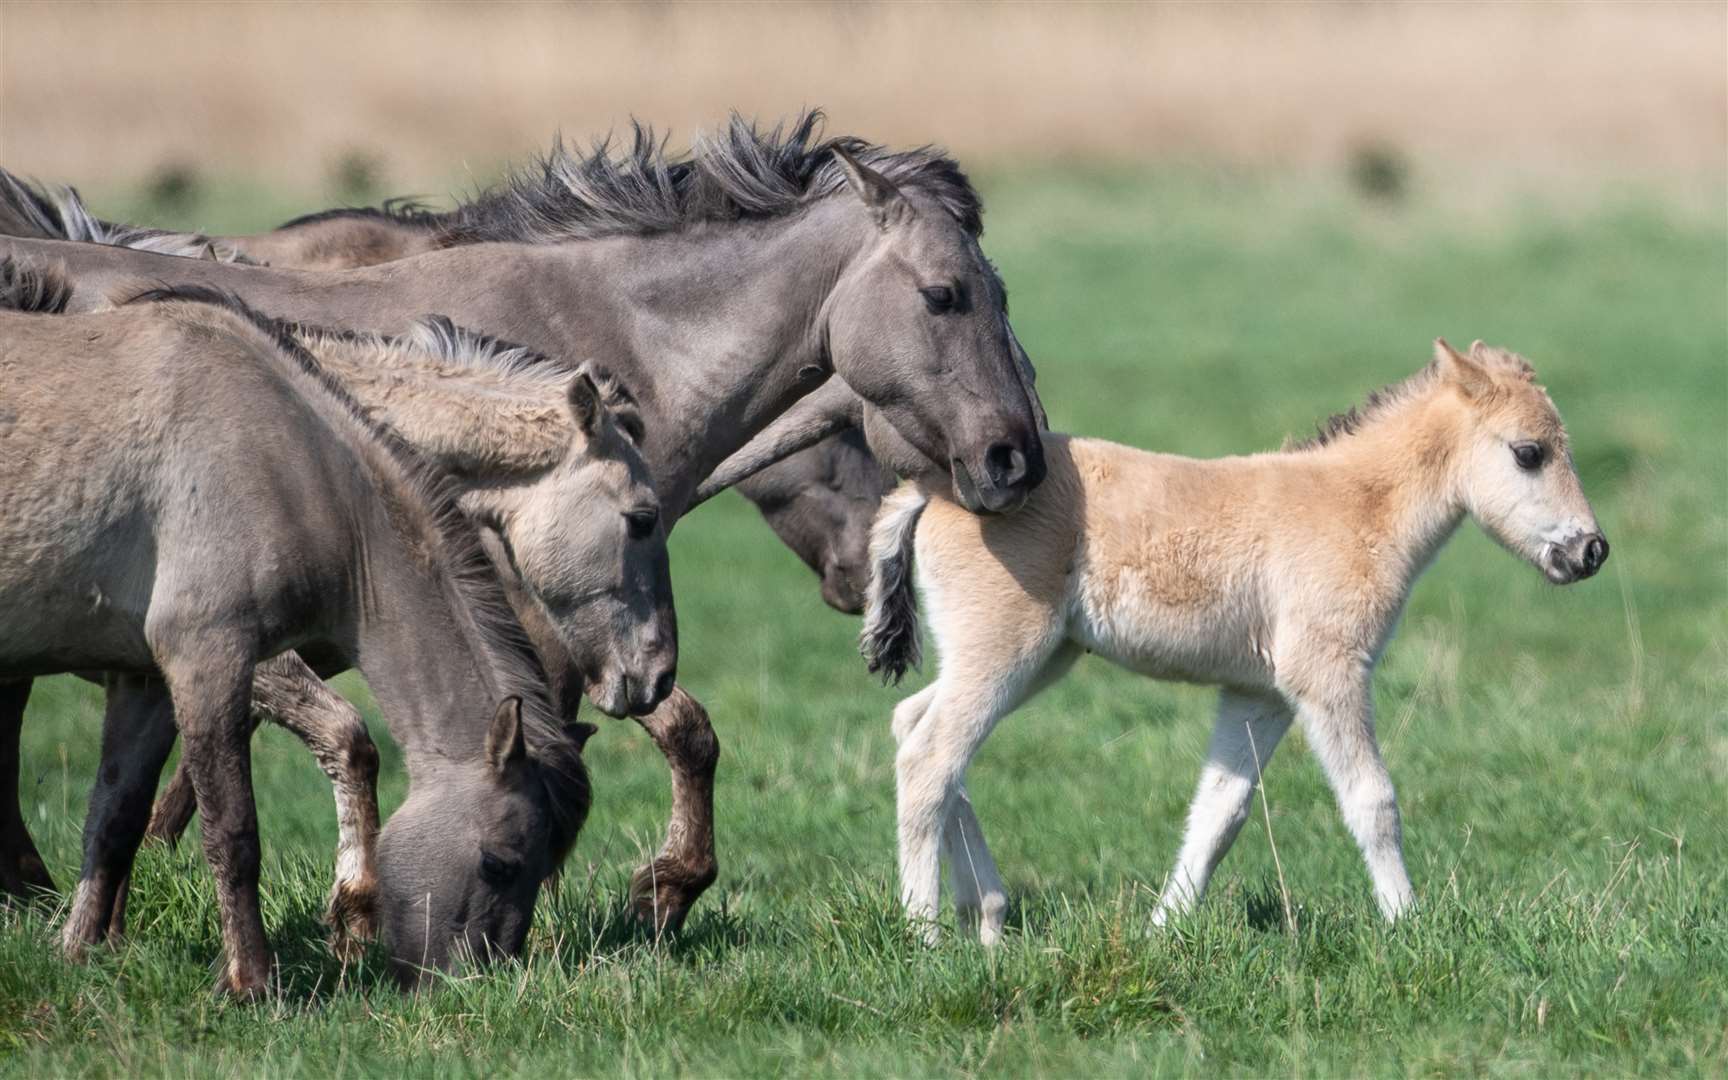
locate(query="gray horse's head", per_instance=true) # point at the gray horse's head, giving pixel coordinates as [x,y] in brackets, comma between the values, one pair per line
[461,862]
[918,326]
[821,503]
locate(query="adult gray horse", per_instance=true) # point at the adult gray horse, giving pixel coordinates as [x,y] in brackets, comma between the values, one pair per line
[722,288]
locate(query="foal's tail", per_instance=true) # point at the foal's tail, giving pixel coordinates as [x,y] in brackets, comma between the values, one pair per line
[33,288]
[890,638]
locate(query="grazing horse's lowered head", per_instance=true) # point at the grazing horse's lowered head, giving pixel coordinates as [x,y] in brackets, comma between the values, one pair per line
[455,885]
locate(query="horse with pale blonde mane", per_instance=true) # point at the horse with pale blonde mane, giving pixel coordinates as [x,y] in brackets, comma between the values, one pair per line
[1277,577]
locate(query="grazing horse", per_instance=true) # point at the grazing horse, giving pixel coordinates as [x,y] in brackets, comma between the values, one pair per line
[1277,577]
[547,464]
[722,288]
[144,534]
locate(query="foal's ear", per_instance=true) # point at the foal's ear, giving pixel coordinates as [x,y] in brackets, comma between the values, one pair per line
[585,403]
[877,191]
[579,732]
[504,743]
[1458,369]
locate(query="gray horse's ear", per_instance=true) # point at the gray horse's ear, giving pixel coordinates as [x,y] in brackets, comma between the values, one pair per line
[585,403]
[579,732]
[877,191]
[504,742]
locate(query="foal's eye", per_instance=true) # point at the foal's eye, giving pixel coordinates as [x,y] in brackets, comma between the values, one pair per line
[641,523]
[938,298]
[497,871]
[1528,455]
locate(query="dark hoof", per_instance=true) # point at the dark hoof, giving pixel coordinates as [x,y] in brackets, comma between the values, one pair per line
[663,892]
[352,918]
[242,983]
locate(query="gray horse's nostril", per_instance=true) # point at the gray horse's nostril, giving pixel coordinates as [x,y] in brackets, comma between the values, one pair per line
[663,685]
[1595,553]
[1005,465]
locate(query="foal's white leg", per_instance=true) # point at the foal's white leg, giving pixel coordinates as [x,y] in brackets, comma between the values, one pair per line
[980,901]
[1341,733]
[980,898]
[932,763]
[1244,736]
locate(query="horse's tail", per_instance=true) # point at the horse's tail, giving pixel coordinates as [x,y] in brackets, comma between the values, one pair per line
[33,288]
[890,639]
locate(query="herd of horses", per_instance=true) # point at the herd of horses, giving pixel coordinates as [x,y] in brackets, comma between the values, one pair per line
[446,449]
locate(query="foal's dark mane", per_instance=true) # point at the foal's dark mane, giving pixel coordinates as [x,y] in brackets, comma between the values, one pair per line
[741,172]
[1379,402]
[459,562]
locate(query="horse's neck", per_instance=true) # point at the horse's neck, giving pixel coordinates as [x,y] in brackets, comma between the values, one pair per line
[726,328]
[476,424]
[1402,468]
[425,672]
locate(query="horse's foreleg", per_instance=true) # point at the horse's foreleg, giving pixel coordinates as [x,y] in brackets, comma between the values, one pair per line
[1340,731]
[287,692]
[1244,735]
[137,734]
[177,804]
[663,891]
[22,872]
[211,683]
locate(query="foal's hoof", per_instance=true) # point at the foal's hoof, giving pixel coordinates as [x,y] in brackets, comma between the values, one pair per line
[663,892]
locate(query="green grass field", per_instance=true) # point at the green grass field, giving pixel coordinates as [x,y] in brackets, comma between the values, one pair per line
[1561,754]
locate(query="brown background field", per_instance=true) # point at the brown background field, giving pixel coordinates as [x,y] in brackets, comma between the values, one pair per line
[431,93]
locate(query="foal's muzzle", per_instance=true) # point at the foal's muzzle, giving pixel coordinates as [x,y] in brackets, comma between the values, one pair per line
[1576,559]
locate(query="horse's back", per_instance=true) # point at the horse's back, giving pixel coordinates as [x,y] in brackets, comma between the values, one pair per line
[159,457]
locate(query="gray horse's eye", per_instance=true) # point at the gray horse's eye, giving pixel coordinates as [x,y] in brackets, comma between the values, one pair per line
[938,298]
[1528,455]
[641,523]
[497,871]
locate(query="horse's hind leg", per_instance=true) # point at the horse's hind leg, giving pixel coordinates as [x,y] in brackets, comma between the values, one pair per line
[291,694]
[1244,736]
[980,901]
[663,891]
[22,872]
[976,689]
[137,733]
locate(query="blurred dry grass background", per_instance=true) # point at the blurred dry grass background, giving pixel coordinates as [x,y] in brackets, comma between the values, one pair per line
[416,96]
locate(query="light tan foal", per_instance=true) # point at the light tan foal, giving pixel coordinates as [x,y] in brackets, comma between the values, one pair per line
[1277,577]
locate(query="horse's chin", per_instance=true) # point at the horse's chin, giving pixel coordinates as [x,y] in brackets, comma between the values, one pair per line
[610,695]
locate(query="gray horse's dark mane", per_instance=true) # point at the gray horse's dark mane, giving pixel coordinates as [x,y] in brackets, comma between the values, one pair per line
[1379,402]
[59,213]
[463,567]
[740,172]
[406,210]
